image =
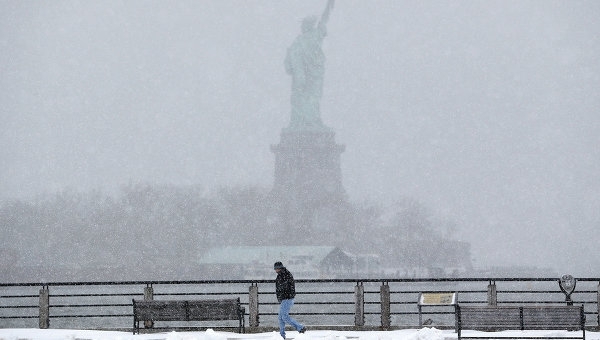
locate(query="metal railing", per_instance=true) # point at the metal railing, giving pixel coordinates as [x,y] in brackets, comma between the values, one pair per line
[321,303]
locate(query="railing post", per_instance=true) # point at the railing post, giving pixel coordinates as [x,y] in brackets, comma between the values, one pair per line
[492,295]
[598,305]
[148,296]
[44,320]
[359,305]
[386,320]
[253,306]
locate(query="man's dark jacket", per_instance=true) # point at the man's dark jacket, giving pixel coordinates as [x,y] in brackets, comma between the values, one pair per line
[284,285]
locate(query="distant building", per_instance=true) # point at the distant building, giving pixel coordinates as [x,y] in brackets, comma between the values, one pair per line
[248,262]
[367,265]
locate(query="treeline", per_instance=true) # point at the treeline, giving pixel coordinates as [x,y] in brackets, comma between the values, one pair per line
[158,232]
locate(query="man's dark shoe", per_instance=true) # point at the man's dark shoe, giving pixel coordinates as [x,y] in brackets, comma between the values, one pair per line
[302,330]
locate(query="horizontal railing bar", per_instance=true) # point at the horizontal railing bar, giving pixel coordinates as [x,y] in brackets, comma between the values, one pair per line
[404,303]
[17,296]
[436,291]
[94,316]
[381,280]
[400,313]
[529,302]
[96,295]
[323,303]
[585,291]
[217,293]
[315,313]
[528,292]
[320,293]
[91,305]
[308,303]
[323,313]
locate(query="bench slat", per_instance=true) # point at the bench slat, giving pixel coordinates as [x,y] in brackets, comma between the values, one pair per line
[490,318]
[559,317]
[160,310]
[214,310]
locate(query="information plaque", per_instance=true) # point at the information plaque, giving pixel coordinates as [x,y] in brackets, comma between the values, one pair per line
[437,299]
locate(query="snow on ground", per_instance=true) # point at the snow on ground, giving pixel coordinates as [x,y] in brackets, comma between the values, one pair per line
[406,334]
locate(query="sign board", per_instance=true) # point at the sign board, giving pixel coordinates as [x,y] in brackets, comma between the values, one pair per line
[437,299]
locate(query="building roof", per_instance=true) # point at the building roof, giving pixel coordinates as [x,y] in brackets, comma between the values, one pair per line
[266,255]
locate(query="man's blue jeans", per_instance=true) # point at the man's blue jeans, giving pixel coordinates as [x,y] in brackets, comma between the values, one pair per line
[284,316]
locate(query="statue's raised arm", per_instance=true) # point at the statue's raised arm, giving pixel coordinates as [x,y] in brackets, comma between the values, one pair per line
[325,15]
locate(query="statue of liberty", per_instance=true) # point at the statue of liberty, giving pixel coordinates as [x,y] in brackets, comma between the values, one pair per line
[305,62]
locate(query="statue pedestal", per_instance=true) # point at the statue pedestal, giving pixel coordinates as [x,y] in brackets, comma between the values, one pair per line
[308,178]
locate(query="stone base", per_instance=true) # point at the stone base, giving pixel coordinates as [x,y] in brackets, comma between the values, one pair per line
[308,178]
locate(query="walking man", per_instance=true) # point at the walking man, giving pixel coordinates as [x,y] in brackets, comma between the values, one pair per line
[286,291]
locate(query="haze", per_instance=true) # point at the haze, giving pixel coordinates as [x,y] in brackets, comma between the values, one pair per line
[485,111]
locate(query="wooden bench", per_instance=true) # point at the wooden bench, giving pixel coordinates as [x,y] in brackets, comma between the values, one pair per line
[183,310]
[491,319]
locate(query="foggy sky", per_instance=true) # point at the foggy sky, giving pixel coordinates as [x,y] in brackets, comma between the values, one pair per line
[486,111]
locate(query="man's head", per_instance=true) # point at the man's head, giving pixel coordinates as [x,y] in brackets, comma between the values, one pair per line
[278,266]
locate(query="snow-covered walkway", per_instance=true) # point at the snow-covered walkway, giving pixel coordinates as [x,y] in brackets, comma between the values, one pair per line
[406,334]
